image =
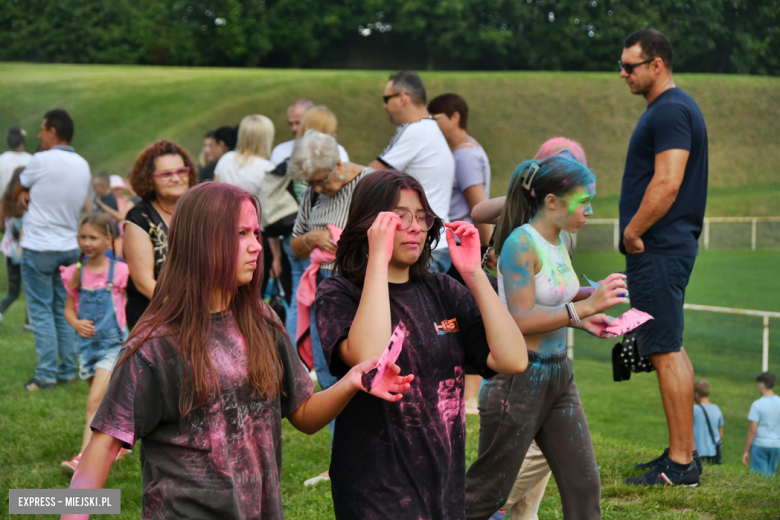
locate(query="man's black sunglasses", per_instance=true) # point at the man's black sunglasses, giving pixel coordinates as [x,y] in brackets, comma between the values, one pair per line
[391,96]
[629,67]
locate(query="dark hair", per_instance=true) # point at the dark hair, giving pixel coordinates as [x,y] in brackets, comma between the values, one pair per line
[768,378]
[202,256]
[141,175]
[654,44]
[410,82]
[10,209]
[450,103]
[228,135]
[377,192]
[209,135]
[558,175]
[103,178]
[15,137]
[60,120]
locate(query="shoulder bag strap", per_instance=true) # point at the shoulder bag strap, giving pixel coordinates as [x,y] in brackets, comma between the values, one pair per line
[709,426]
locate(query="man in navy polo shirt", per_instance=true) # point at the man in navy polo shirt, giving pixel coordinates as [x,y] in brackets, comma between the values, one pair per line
[662,201]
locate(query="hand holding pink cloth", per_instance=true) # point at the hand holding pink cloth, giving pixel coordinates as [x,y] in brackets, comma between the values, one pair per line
[307,290]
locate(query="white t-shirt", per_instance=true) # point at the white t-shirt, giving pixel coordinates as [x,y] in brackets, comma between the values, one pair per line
[419,149]
[248,175]
[284,150]
[58,180]
[9,161]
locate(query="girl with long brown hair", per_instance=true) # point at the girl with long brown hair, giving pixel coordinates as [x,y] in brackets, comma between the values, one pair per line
[208,373]
[420,443]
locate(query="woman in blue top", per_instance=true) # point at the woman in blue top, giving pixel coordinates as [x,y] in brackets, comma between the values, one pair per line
[537,283]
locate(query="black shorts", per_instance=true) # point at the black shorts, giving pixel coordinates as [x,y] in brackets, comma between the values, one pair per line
[656,285]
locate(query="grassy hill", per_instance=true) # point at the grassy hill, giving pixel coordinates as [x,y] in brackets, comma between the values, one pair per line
[120,109]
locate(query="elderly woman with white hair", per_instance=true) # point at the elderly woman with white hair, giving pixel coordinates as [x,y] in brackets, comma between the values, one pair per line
[315,160]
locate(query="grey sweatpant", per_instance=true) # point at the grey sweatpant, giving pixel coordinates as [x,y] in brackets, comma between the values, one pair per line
[540,404]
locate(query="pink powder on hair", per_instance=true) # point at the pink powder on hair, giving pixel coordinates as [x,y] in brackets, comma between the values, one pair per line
[558,144]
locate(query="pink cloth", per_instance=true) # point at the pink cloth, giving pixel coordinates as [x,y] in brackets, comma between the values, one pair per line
[307,290]
[99,281]
[630,320]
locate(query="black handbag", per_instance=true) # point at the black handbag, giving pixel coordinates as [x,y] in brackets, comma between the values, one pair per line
[274,297]
[626,359]
[718,457]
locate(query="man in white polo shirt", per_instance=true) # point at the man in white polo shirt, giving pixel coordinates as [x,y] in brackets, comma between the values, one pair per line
[419,149]
[53,187]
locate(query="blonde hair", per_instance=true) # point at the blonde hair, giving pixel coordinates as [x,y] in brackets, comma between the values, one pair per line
[702,387]
[104,224]
[318,118]
[255,138]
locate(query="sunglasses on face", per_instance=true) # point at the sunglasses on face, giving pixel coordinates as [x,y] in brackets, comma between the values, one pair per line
[391,96]
[629,67]
[425,220]
[167,175]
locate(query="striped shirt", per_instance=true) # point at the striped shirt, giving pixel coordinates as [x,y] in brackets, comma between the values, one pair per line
[326,210]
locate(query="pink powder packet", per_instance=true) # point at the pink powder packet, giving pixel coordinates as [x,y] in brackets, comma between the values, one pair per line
[390,355]
[632,319]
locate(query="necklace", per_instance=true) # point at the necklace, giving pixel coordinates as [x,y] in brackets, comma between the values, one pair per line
[159,205]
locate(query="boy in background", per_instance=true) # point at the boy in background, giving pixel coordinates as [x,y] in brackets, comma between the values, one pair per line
[703,410]
[101,183]
[762,449]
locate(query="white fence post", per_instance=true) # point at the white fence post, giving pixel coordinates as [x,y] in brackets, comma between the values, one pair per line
[753,238]
[765,353]
[706,234]
[616,236]
[570,343]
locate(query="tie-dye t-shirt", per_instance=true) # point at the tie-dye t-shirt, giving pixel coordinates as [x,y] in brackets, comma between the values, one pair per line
[222,460]
[406,459]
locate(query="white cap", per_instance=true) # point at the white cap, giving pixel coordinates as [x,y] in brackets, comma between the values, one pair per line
[116,182]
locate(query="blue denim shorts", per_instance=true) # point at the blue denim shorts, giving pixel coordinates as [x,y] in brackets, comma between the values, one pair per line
[98,353]
[656,285]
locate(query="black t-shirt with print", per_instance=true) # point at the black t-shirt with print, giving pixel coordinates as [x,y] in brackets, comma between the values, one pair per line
[145,216]
[406,459]
[221,461]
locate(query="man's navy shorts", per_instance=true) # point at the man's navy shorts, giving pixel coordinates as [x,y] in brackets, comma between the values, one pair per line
[656,285]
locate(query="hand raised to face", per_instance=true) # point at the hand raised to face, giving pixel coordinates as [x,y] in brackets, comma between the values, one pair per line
[466,257]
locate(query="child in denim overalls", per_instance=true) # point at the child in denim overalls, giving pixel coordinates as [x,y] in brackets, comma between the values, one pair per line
[95,307]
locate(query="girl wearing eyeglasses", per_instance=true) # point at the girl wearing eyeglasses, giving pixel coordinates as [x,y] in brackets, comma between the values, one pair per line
[407,459]
[162,173]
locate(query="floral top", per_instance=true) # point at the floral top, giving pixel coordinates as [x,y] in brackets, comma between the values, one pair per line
[145,216]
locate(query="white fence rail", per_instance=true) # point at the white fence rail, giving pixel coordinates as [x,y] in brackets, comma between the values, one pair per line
[708,308]
[615,223]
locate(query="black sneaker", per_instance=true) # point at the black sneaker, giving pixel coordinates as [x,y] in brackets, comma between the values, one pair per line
[698,462]
[653,463]
[666,474]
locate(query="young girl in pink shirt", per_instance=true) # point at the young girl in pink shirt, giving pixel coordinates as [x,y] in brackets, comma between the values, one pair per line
[95,307]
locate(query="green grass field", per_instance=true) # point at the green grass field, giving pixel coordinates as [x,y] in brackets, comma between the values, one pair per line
[39,430]
[120,109]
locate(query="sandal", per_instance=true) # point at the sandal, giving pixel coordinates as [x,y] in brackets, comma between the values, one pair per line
[36,384]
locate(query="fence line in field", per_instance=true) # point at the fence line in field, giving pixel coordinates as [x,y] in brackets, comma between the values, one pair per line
[615,223]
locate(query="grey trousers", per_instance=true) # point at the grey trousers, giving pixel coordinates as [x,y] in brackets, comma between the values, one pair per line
[540,404]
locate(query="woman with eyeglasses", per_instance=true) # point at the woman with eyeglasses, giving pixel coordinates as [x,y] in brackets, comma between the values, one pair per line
[162,173]
[315,160]
[407,460]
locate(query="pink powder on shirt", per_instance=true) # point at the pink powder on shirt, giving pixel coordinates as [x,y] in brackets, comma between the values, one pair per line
[100,281]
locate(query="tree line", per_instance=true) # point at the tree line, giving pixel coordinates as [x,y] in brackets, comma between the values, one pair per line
[720,36]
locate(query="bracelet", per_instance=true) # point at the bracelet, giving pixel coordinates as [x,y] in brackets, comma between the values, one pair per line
[573,317]
[304,242]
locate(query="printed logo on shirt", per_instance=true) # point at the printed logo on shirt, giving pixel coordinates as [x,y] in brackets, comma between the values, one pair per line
[563,269]
[446,326]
